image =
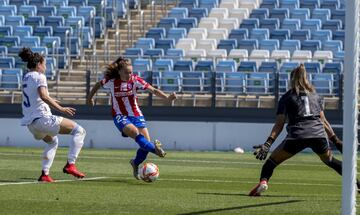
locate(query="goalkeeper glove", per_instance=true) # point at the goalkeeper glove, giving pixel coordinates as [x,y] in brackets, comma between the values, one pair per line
[261,151]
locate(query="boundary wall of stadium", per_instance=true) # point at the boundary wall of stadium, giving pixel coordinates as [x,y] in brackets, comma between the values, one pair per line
[178,128]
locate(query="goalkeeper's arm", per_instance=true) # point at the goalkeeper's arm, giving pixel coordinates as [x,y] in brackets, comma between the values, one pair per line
[330,132]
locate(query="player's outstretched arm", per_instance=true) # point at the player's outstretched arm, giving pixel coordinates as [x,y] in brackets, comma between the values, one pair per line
[330,132]
[90,100]
[161,94]
[262,150]
[44,95]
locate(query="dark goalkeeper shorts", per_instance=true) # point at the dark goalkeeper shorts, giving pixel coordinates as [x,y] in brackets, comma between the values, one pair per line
[318,145]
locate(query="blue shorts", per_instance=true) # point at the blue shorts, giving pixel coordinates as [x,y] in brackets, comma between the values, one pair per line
[121,121]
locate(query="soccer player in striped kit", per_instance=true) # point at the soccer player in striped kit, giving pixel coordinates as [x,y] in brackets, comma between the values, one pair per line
[127,116]
[40,121]
[307,127]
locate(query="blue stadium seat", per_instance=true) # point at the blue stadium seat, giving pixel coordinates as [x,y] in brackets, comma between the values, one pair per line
[62,32]
[171,81]
[227,44]
[165,44]
[258,83]
[284,79]
[30,41]
[300,13]
[58,3]
[323,83]
[167,23]
[247,66]
[250,23]
[290,4]
[332,45]
[311,4]
[321,13]
[271,24]
[98,4]
[11,78]
[312,67]
[226,66]
[46,11]
[280,13]
[66,11]
[99,26]
[280,34]
[18,3]
[43,31]
[133,53]
[6,30]
[322,35]
[23,31]
[271,44]
[55,21]
[287,67]
[339,14]
[8,10]
[291,24]
[260,13]
[248,44]
[311,24]
[2,20]
[184,65]
[154,53]
[40,49]
[178,12]
[14,20]
[187,23]
[193,82]
[330,4]
[269,67]
[204,66]
[311,45]
[175,54]
[163,65]
[5,2]
[189,4]
[10,41]
[3,51]
[7,62]
[75,46]
[38,3]
[339,35]
[27,10]
[88,12]
[269,4]
[145,43]
[333,68]
[176,33]
[259,34]
[198,13]
[239,34]
[302,34]
[51,43]
[156,33]
[235,82]
[142,65]
[208,4]
[333,25]
[78,3]
[76,23]
[35,21]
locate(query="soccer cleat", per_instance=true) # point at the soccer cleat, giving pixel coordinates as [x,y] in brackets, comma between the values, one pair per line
[45,178]
[135,169]
[259,188]
[71,169]
[158,150]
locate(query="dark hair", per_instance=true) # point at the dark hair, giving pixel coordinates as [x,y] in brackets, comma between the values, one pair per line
[112,70]
[31,58]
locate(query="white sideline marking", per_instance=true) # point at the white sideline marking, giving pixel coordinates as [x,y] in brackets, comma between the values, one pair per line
[56,181]
[169,160]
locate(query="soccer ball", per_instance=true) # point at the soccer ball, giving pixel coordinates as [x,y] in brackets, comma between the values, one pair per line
[149,172]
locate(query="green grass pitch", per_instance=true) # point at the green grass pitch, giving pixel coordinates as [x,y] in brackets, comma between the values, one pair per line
[190,183]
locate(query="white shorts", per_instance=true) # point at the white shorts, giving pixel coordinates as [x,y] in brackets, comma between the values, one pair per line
[47,125]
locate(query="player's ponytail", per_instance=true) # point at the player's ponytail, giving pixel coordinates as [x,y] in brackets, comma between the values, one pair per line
[113,69]
[32,59]
[299,81]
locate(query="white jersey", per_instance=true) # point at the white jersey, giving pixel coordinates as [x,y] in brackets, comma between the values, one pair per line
[33,106]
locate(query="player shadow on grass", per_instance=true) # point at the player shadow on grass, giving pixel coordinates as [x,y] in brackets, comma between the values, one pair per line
[242,194]
[240,207]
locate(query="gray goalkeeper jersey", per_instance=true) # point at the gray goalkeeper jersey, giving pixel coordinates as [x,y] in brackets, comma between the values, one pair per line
[303,115]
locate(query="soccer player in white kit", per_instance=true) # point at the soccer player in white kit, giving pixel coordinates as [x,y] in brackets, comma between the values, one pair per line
[40,121]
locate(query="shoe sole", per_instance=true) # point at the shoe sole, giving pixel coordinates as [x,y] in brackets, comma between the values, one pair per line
[134,170]
[159,151]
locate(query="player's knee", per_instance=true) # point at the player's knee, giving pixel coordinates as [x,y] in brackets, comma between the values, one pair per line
[78,130]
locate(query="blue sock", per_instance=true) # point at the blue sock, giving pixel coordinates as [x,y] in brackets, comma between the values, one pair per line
[141,155]
[144,143]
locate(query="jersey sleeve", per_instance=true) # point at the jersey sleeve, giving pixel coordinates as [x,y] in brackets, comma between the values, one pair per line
[141,83]
[105,83]
[281,109]
[40,81]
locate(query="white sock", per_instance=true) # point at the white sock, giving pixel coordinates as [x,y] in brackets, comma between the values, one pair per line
[49,154]
[76,144]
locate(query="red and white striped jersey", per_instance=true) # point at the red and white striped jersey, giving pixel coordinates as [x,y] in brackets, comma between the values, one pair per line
[123,95]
